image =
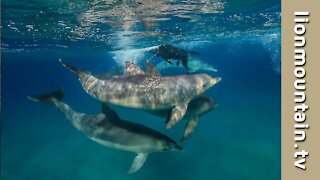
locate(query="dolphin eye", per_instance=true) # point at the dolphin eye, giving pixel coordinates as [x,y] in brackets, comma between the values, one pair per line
[204,86]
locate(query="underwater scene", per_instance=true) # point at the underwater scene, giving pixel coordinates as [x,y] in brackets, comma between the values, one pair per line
[141,89]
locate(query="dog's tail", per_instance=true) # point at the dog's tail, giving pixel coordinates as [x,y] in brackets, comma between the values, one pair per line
[194,53]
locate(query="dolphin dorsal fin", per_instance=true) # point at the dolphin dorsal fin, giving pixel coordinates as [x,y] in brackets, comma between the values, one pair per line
[132,69]
[151,69]
[109,113]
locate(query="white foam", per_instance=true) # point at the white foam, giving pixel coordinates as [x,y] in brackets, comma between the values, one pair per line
[272,45]
[138,56]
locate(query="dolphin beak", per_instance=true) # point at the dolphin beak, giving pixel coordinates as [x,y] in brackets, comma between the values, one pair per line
[214,81]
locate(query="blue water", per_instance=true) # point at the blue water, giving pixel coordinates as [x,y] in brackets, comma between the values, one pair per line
[240,139]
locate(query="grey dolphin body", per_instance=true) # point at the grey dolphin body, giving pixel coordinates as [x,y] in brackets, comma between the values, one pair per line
[109,130]
[196,108]
[148,91]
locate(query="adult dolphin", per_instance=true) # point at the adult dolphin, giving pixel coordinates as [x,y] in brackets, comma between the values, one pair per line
[137,89]
[197,107]
[109,130]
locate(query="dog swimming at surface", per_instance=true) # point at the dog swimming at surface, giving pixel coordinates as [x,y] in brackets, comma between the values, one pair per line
[169,52]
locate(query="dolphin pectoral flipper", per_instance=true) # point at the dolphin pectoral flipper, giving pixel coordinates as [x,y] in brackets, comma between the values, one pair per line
[189,128]
[176,115]
[138,162]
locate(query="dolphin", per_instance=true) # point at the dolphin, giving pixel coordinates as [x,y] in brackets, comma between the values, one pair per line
[109,130]
[148,91]
[196,108]
[169,52]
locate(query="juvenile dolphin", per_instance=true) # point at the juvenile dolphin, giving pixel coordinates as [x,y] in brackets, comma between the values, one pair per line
[137,89]
[196,108]
[109,130]
[169,52]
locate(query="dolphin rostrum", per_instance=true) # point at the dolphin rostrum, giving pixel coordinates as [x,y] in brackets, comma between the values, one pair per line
[109,130]
[137,89]
[196,108]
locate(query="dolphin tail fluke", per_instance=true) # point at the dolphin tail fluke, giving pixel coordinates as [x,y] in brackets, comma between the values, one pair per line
[48,97]
[70,68]
[138,162]
[189,128]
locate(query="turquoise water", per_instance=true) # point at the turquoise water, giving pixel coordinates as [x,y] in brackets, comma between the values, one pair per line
[240,139]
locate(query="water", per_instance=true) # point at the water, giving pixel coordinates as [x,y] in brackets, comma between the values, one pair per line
[240,139]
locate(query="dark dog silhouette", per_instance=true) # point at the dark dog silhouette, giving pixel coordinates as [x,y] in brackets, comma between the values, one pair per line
[169,52]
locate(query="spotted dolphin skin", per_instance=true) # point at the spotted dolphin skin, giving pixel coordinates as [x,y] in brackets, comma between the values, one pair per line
[196,108]
[148,91]
[109,130]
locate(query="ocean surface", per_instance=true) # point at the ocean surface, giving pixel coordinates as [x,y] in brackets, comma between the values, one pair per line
[239,139]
